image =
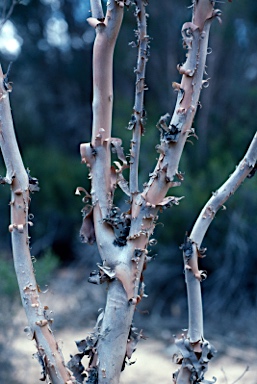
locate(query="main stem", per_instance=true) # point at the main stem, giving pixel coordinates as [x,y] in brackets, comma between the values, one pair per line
[116,325]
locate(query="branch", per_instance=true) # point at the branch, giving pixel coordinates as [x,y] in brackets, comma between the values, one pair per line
[203,222]
[6,14]
[136,123]
[97,9]
[174,133]
[219,197]
[191,251]
[97,154]
[49,354]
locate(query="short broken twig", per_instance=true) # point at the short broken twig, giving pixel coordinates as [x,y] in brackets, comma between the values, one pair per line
[225,376]
[242,375]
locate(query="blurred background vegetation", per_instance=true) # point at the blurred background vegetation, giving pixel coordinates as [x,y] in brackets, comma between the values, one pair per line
[50,45]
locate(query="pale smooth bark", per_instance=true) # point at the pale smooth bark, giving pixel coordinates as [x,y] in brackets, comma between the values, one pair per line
[201,226]
[195,336]
[220,196]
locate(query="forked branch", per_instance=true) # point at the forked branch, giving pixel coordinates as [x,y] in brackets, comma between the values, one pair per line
[124,260]
[126,263]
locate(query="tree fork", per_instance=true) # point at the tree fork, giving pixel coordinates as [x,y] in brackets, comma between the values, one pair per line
[123,287]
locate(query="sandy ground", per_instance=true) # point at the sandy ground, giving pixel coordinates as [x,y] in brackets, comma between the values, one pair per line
[153,357]
[153,361]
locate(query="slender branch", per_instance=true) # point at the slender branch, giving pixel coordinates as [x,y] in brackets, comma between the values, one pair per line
[192,250]
[5,15]
[174,133]
[49,353]
[199,230]
[224,192]
[137,117]
[106,35]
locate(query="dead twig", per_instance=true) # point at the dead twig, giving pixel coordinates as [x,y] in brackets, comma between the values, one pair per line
[242,375]
[5,15]
[224,374]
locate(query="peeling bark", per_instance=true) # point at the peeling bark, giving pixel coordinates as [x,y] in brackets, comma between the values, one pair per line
[191,252]
[218,199]
[175,133]
[49,353]
[122,262]
[138,113]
